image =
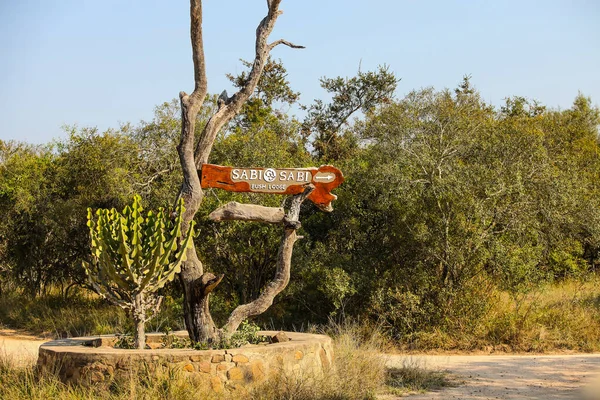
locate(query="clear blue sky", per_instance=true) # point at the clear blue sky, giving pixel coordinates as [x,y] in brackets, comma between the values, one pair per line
[99,63]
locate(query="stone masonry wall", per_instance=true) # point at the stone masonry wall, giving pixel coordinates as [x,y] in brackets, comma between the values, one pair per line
[76,360]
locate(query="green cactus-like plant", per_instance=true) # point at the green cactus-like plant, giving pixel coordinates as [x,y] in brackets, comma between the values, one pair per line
[133,256]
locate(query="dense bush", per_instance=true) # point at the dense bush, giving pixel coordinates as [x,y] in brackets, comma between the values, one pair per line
[450,206]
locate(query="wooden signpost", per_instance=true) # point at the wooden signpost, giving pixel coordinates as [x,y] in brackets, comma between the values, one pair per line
[287,181]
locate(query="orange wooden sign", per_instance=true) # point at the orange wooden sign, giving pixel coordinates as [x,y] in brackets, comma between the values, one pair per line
[288,181]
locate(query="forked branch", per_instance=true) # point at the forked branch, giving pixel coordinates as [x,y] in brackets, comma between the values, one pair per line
[197,284]
[282,272]
[231,106]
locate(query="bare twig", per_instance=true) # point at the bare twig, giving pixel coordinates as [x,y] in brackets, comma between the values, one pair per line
[285,42]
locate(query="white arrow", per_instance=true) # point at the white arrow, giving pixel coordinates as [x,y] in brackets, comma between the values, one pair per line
[324,177]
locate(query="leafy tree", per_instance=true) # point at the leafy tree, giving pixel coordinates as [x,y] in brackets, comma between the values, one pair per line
[272,88]
[449,196]
[364,93]
[25,174]
[155,163]
[45,190]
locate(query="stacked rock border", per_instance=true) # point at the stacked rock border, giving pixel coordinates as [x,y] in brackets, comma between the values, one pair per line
[94,359]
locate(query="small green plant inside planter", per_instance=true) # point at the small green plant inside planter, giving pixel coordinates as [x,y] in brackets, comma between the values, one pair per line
[134,255]
[247,333]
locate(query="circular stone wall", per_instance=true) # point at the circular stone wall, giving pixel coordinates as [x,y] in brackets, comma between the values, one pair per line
[93,359]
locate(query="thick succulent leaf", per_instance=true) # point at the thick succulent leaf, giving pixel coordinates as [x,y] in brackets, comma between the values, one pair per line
[87,267]
[175,267]
[107,265]
[154,265]
[126,262]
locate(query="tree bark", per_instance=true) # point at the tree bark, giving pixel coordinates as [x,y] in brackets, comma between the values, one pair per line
[139,319]
[197,285]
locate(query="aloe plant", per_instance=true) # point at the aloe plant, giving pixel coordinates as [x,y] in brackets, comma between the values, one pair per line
[133,256]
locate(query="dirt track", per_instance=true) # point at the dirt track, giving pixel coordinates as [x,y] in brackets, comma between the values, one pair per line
[22,349]
[548,377]
[543,377]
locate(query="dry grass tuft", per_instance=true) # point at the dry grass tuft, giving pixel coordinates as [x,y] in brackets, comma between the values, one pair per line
[563,316]
[553,317]
[414,377]
[82,314]
[358,374]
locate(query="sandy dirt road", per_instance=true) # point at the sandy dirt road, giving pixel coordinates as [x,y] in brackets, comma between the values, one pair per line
[547,377]
[19,348]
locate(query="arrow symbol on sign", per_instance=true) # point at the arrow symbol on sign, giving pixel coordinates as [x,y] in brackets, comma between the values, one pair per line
[327,177]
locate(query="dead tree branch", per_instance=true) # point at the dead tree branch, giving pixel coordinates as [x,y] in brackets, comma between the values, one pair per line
[190,106]
[198,320]
[248,212]
[232,106]
[197,284]
[282,272]
[285,42]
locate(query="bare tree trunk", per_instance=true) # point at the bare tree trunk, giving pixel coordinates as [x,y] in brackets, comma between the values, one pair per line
[197,285]
[139,319]
[197,289]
